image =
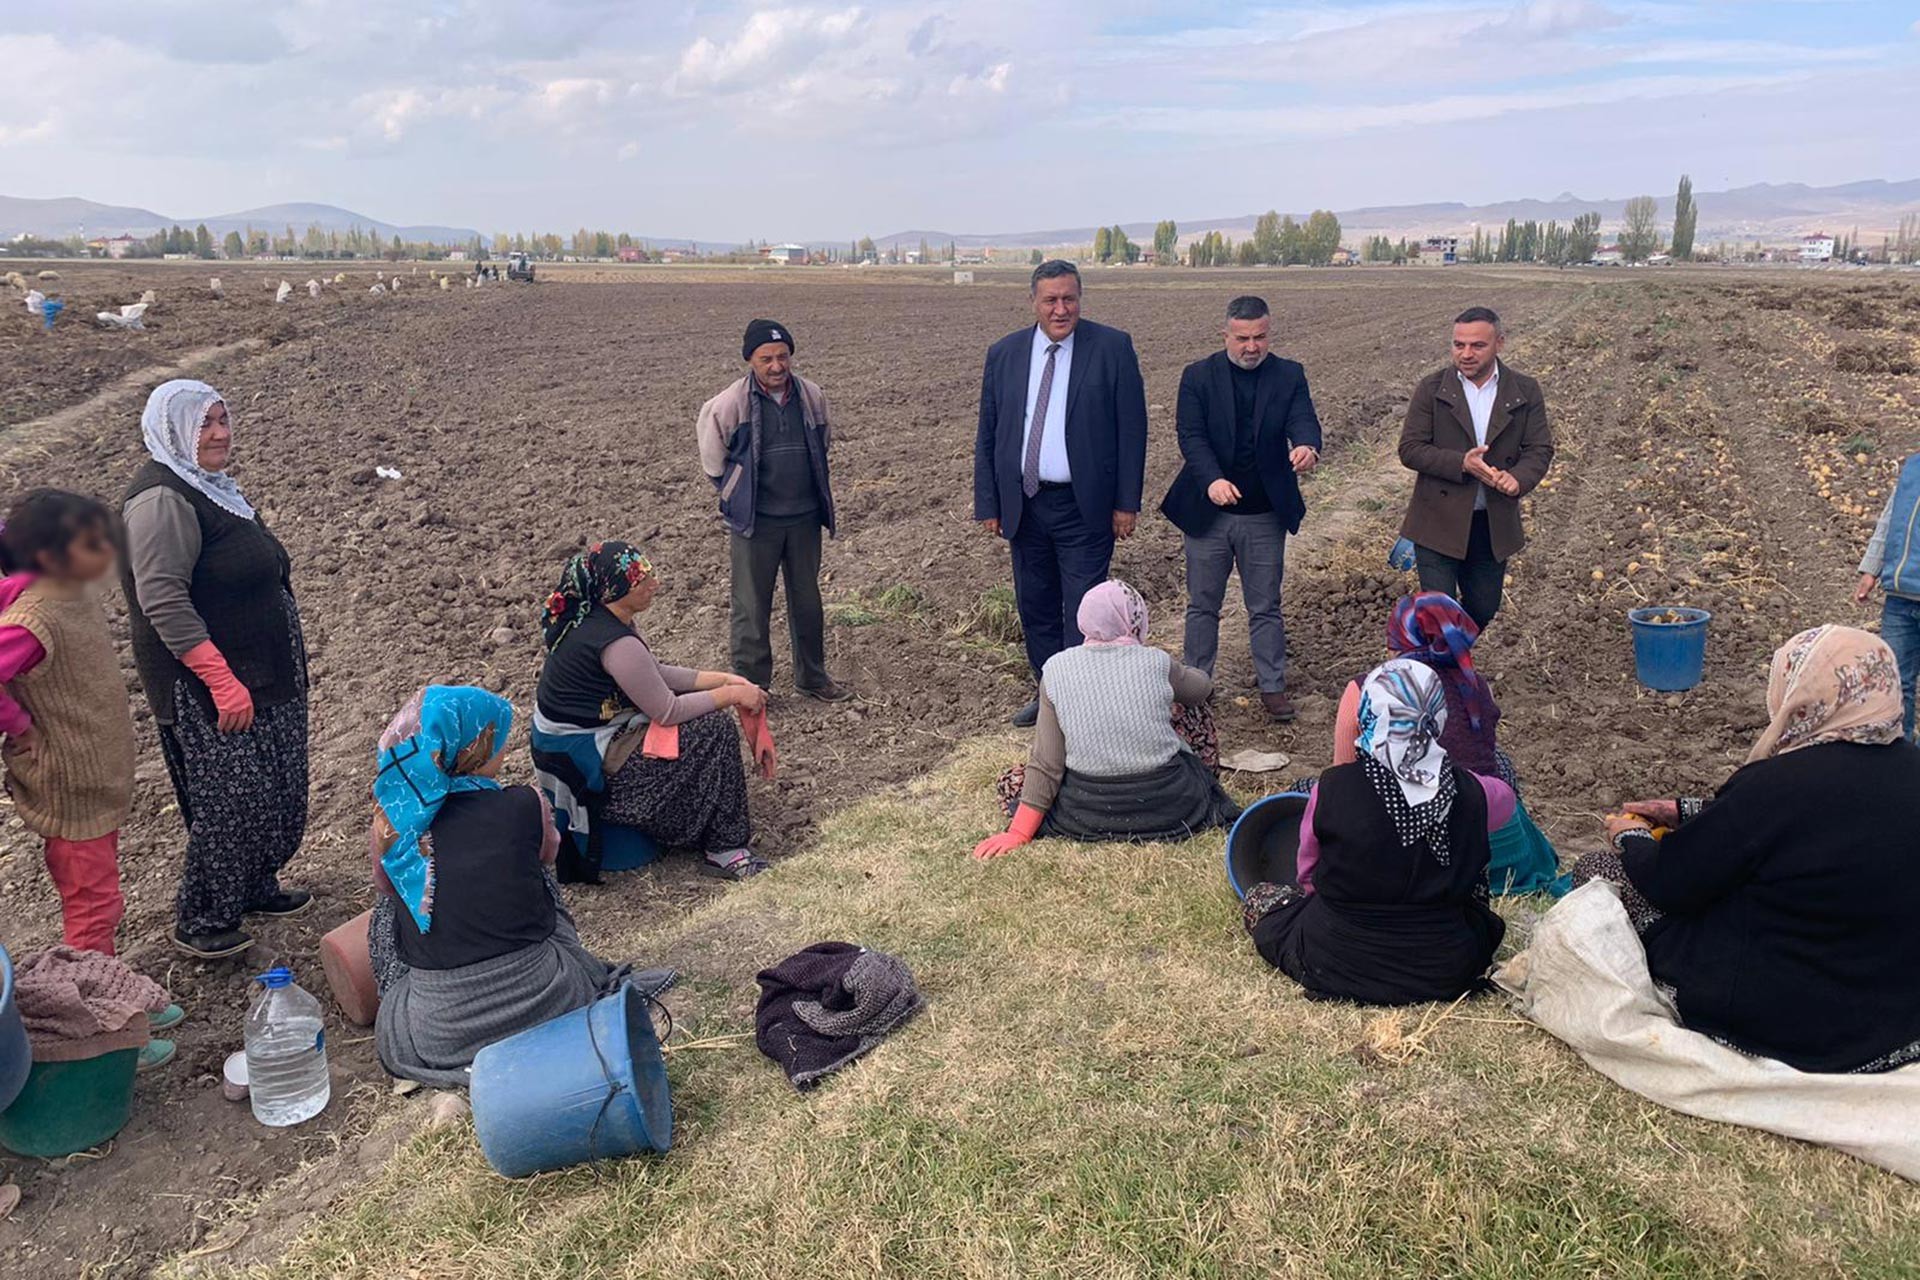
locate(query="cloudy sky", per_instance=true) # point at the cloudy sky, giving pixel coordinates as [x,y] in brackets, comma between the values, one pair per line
[736,120]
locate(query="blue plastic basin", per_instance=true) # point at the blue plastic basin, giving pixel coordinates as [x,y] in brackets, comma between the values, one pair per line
[1670,657]
[1264,843]
[16,1055]
[588,1085]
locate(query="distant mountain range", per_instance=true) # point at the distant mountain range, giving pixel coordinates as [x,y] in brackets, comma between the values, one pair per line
[69,215]
[1765,209]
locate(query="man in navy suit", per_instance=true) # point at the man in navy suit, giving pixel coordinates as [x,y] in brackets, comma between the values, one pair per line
[1248,431]
[1060,459]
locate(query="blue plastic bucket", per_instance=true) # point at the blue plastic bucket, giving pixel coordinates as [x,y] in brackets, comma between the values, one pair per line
[589,1085]
[16,1055]
[1670,657]
[1264,843]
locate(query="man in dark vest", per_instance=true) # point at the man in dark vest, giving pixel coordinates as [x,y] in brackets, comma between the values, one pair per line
[1248,432]
[764,442]
[1060,458]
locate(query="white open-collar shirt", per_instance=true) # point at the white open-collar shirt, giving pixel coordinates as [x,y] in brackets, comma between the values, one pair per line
[1054,467]
[1480,402]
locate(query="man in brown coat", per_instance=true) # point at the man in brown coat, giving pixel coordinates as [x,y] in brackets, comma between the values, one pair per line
[1477,437]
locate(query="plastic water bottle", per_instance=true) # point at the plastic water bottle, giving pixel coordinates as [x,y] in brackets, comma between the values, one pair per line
[286,1052]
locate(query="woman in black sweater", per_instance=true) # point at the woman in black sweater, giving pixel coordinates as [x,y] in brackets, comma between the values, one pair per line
[1781,917]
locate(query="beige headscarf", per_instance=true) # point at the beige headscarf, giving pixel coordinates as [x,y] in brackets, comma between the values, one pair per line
[1830,684]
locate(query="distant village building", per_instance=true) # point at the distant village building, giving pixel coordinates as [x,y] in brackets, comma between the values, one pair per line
[122,245]
[790,255]
[1444,248]
[456,255]
[1607,255]
[1817,247]
[633,253]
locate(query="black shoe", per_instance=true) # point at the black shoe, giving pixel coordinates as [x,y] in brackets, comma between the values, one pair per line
[211,946]
[828,692]
[1027,716]
[288,902]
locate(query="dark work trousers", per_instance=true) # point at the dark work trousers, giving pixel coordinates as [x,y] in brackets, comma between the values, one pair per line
[1476,582]
[1257,545]
[788,549]
[1056,560]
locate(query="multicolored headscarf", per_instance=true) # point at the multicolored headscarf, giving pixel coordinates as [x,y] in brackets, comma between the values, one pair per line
[1430,626]
[428,753]
[1403,708]
[1112,613]
[170,425]
[1831,684]
[604,571]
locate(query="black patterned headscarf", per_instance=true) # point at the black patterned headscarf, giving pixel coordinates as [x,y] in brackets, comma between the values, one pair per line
[604,572]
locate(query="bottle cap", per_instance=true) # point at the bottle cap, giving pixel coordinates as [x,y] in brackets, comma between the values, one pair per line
[274,979]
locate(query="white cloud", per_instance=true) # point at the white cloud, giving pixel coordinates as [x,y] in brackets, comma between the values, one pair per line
[763,47]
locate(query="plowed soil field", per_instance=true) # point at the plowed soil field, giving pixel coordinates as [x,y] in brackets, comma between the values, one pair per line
[1726,440]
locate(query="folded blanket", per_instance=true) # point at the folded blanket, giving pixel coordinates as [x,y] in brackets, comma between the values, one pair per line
[81,1004]
[1584,978]
[828,1004]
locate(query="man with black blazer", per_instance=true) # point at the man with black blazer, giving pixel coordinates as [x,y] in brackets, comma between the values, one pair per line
[1060,458]
[1247,430]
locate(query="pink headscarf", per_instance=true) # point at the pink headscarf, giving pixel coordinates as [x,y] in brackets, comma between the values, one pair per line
[1113,613]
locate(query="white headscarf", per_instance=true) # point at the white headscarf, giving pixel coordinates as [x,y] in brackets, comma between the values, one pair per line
[176,413]
[1403,708]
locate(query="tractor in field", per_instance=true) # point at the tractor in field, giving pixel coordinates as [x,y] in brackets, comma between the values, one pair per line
[520,267]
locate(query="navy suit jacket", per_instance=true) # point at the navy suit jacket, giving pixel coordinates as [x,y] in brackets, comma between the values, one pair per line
[1106,427]
[1283,418]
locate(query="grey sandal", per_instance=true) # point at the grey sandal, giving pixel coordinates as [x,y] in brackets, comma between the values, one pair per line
[741,866]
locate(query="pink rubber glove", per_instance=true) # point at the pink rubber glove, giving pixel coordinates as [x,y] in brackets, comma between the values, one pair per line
[1024,827]
[231,700]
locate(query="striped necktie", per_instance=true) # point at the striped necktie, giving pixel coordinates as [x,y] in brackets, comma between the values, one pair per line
[1037,428]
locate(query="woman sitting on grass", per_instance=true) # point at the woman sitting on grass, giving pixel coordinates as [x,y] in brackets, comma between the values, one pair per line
[1107,762]
[1431,628]
[470,940]
[602,691]
[1389,903]
[1780,917]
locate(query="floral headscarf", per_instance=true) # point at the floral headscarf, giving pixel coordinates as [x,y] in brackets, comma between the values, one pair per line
[1831,684]
[1113,613]
[1403,708]
[171,423]
[1432,627]
[428,753]
[604,571]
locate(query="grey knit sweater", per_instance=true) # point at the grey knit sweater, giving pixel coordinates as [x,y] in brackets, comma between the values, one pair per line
[1106,711]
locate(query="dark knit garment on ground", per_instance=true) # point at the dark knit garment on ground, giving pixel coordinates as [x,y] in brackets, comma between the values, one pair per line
[828,1004]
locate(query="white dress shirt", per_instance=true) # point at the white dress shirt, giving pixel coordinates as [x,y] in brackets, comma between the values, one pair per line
[1054,468]
[1480,401]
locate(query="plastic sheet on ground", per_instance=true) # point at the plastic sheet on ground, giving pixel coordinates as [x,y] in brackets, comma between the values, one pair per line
[1584,979]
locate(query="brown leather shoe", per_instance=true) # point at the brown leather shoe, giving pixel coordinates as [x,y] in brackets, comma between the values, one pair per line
[1279,706]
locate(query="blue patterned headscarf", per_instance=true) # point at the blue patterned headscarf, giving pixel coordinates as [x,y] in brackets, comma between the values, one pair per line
[428,753]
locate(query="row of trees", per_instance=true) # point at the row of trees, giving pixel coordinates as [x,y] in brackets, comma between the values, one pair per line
[1277,241]
[1112,244]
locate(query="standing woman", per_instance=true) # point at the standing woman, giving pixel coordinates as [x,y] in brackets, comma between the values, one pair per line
[216,637]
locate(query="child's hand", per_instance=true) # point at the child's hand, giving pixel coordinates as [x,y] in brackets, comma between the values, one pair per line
[1864,591]
[26,742]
